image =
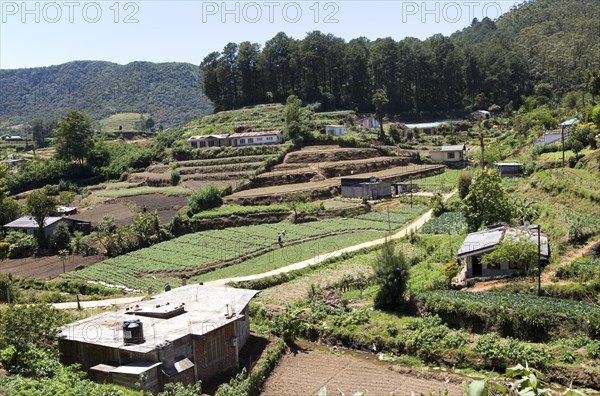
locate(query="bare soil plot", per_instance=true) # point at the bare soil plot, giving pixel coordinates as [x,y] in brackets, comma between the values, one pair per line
[45,267]
[297,289]
[121,212]
[307,371]
[156,201]
[314,154]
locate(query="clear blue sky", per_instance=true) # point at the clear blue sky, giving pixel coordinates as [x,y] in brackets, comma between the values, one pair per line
[43,33]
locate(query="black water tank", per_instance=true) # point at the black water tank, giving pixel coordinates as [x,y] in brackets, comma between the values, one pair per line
[133,332]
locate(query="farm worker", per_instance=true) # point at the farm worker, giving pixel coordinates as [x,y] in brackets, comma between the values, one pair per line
[279,238]
[283,232]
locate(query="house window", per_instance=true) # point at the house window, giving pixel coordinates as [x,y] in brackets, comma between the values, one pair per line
[211,144]
[270,138]
[202,144]
[242,140]
[258,139]
[250,140]
[450,155]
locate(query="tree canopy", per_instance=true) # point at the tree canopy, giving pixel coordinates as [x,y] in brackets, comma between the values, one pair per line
[487,202]
[74,137]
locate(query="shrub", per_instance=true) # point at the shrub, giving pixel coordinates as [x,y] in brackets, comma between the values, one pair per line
[175,177]
[463,184]
[518,253]
[391,272]
[439,206]
[207,198]
[61,238]
[21,245]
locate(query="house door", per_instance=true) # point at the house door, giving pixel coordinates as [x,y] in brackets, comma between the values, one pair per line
[477,269]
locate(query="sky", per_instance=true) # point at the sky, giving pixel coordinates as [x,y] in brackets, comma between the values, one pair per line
[44,33]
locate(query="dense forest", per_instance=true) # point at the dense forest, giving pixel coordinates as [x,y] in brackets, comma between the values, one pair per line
[543,47]
[170,92]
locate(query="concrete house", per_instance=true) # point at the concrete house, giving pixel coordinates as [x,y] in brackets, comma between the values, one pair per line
[334,130]
[27,225]
[255,138]
[371,187]
[209,141]
[236,139]
[479,243]
[509,169]
[184,335]
[454,153]
[369,123]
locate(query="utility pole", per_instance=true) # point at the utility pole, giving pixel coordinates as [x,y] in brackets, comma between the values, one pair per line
[411,191]
[562,135]
[539,230]
[482,150]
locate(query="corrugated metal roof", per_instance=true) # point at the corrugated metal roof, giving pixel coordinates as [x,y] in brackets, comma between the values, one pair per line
[29,222]
[484,241]
[204,137]
[456,147]
[254,134]
[425,125]
[480,241]
[572,121]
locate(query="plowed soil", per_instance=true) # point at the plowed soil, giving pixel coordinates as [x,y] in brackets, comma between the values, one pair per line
[307,371]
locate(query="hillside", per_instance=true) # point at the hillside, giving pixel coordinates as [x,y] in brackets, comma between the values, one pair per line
[169,92]
[546,47]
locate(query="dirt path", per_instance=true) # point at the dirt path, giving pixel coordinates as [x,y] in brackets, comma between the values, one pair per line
[307,371]
[415,225]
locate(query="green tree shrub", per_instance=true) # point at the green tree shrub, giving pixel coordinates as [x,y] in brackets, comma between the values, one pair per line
[207,198]
[487,202]
[391,273]
[61,239]
[21,245]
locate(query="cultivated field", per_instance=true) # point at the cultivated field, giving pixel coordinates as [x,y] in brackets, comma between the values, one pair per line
[242,250]
[128,121]
[306,371]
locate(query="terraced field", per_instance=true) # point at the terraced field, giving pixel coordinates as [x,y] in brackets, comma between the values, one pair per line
[203,251]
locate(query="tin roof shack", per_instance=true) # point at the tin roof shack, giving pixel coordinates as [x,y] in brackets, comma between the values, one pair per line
[509,169]
[454,153]
[184,335]
[334,130]
[371,187]
[27,225]
[479,243]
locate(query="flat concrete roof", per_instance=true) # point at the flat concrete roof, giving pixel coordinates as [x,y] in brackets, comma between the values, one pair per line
[205,311]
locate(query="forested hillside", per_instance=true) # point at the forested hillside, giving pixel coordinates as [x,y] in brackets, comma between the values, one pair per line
[169,92]
[541,47]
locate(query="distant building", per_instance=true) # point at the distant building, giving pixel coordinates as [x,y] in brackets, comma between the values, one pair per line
[236,139]
[550,138]
[27,225]
[369,123]
[188,334]
[255,138]
[454,153]
[481,115]
[65,210]
[370,187]
[428,128]
[209,141]
[509,169]
[334,130]
[479,243]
